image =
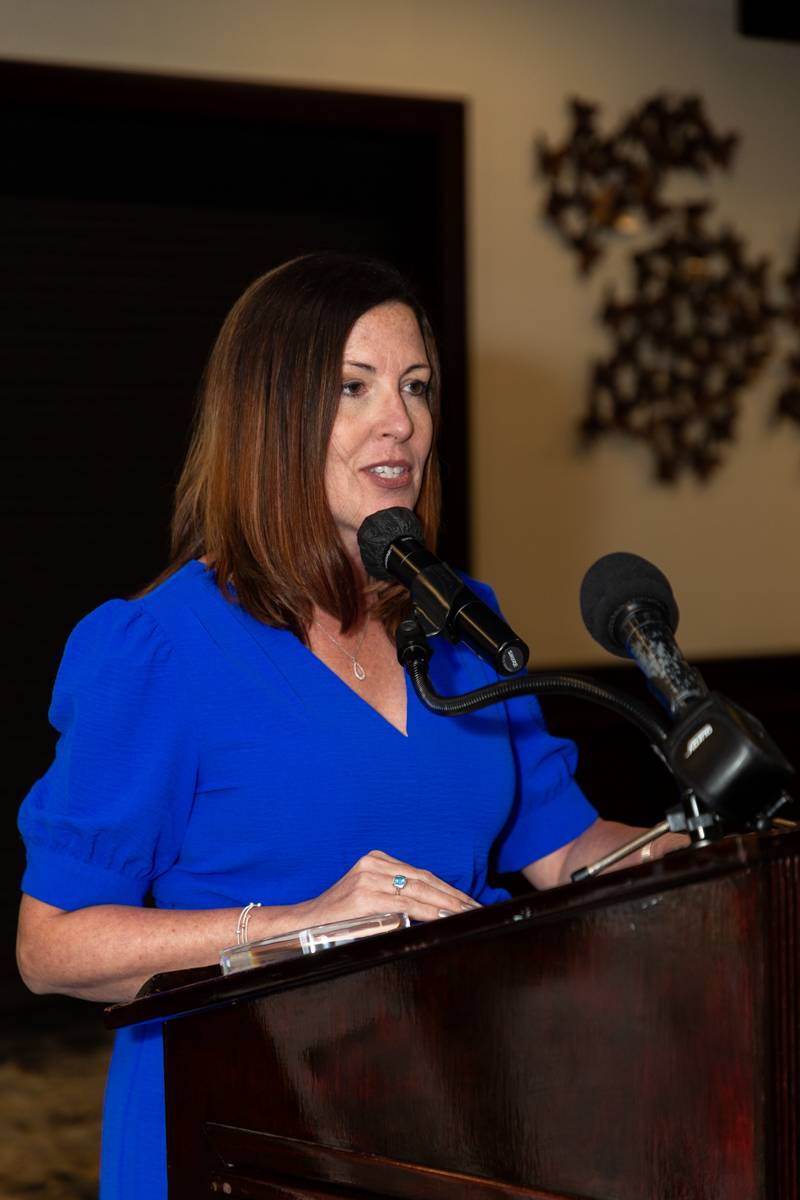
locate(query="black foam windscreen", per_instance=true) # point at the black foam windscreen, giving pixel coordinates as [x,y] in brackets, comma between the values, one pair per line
[612,585]
[378,531]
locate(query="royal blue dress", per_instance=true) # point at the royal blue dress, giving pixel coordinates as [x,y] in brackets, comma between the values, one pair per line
[206,760]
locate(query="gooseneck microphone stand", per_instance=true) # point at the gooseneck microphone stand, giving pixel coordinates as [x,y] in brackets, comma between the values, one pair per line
[715,796]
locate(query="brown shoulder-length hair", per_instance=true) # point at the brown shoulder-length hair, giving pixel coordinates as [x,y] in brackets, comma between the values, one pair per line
[251,497]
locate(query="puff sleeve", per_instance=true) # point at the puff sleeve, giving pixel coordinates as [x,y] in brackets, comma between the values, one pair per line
[549,809]
[109,815]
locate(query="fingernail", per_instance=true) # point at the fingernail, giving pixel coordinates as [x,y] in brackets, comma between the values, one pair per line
[446,912]
[469,907]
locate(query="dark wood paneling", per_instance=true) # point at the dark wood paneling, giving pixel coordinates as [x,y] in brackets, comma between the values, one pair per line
[328,1172]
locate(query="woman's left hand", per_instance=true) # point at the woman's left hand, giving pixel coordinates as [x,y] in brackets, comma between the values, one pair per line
[594,843]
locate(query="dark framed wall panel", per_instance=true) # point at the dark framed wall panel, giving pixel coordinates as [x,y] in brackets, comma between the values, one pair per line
[134,209]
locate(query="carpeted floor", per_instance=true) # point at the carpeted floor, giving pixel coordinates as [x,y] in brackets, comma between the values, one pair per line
[52,1073]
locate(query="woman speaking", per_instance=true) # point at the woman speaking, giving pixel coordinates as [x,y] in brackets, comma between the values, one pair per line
[238,751]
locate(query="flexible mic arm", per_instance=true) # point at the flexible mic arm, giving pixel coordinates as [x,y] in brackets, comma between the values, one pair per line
[749,758]
[414,653]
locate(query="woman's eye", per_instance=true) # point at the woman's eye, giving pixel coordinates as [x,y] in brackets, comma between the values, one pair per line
[353,387]
[416,387]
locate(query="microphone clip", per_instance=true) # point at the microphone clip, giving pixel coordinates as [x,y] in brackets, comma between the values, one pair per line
[723,755]
[412,644]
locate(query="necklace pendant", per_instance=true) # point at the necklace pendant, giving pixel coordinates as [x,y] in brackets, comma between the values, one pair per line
[358,670]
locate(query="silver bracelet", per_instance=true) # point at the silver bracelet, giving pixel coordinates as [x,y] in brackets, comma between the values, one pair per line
[244,921]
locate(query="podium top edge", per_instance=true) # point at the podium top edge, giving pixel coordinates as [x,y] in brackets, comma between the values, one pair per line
[182,993]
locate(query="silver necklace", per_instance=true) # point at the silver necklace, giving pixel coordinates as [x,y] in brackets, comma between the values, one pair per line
[358,670]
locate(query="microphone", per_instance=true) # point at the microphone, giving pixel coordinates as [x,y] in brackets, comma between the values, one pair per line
[628,607]
[391,545]
[716,750]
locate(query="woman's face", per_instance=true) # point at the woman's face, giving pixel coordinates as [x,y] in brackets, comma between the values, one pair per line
[381,437]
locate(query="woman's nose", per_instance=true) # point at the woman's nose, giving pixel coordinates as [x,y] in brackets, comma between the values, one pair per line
[395,419]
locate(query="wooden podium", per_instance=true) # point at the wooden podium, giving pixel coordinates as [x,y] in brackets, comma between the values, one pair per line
[632,1038]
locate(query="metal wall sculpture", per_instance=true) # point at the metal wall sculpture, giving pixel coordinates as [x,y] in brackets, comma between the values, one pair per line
[699,322]
[695,332]
[787,405]
[602,185]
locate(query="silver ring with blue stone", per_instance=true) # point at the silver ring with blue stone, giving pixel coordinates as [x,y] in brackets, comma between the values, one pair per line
[399,882]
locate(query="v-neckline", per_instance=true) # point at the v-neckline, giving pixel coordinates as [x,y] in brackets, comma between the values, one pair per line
[310,663]
[329,671]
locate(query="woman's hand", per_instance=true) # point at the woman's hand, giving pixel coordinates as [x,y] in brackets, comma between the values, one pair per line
[368,888]
[106,952]
[594,843]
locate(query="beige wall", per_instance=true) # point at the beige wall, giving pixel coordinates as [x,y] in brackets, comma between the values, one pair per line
[541,514]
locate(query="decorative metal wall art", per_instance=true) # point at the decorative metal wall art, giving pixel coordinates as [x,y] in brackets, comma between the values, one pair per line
[787,405]
[601,185]
[699,322]
[695,331]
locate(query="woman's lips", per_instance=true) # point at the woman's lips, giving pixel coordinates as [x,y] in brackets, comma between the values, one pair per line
[390,476]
